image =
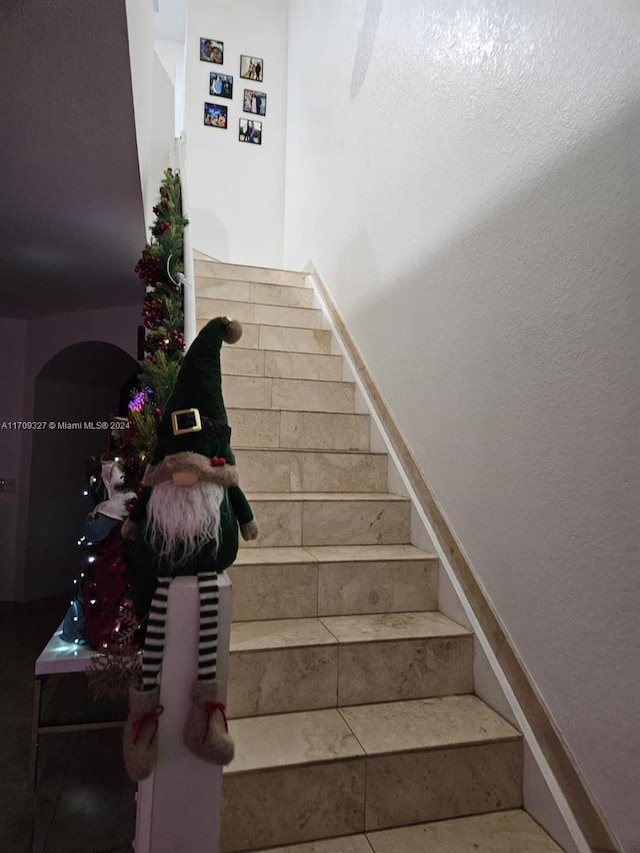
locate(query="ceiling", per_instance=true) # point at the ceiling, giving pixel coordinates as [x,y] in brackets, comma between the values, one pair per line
[71,213]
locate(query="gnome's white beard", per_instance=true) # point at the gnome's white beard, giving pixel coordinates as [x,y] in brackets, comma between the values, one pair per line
[182,519]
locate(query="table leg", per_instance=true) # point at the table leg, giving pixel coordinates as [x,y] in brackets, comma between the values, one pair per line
[33,758]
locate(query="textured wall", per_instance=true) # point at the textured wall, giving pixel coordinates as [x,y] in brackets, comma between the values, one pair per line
[465,177]
[236,190]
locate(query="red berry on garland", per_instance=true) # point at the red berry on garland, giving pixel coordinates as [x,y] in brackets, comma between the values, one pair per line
[157,413]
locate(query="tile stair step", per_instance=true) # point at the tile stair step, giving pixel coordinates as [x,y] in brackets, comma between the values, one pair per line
[202,256]
[307,395]
[363,768]
[510,831]
[311,471]
[284,338]
[250,291]
[269,315]
[289,583]
[270,429]
[246,361]
[242,272]
[300,519]
[301,664]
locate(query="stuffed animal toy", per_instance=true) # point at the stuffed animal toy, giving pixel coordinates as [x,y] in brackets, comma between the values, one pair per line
[186,523]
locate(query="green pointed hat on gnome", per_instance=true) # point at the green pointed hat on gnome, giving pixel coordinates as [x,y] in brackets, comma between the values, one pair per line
[195,419]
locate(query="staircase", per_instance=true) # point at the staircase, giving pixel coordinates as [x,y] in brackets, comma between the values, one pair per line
[350,696]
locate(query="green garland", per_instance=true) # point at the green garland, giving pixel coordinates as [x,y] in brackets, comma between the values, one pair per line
[161,263]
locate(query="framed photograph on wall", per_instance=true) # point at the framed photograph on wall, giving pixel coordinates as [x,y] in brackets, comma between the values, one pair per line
[251,68]
[211,51]
[250,131]
[215,115]
[254,102]
[221,85]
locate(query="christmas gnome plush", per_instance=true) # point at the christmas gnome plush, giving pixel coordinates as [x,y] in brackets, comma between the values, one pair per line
[186,523]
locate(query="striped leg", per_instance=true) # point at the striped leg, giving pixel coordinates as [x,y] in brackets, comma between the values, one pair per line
[208,648]
[154,640]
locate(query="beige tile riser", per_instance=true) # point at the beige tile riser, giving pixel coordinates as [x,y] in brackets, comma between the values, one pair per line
[275,681]
[414,787]
[254,428]
[241,360]
[208,309]
[236,360]
[315,471]
[239,272]
[404,669]
[325,800]
[277,338]
[286,806]
[287,591]
[268,429]
[306,677]
[353,522]
[320,431]
[377,587]
[222,288]
[512,831]
[264,470]
[316,341]
[309,395]
[262,315]
[301,365]
[265,294]
[335,472]
[280,524]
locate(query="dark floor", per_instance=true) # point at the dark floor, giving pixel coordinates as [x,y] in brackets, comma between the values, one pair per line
[84,801]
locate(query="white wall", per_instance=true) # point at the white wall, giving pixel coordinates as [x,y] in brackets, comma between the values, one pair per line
[12,357]
[465,178]
[40,340]
[236,189]
[153,102]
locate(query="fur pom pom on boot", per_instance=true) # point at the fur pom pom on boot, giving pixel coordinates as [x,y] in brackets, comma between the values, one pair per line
[206,733]
[140,740]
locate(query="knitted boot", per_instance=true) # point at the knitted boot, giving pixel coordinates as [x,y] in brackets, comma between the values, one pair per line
[140,741]
[206,734]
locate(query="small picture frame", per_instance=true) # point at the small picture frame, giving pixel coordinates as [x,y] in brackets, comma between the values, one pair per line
[251,68]
[211,51]
[254,102]
[215,115]
[250,131]
[221,85]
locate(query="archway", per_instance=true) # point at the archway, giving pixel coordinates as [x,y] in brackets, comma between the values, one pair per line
[74,392]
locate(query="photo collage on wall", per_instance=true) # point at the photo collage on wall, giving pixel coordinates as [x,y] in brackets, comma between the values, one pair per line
[254,101]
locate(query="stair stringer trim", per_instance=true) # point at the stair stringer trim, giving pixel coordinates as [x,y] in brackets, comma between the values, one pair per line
[580,813]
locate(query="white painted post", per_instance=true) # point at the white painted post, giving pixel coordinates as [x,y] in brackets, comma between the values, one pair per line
[179,805]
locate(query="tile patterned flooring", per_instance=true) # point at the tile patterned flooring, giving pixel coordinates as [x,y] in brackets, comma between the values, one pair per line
[84,801]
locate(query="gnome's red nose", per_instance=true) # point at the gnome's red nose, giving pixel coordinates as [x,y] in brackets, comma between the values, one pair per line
[185,478]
